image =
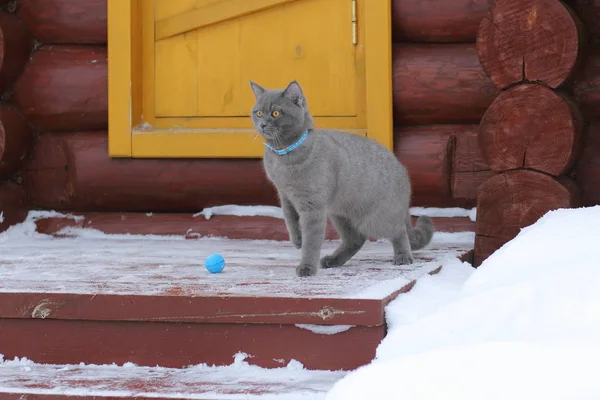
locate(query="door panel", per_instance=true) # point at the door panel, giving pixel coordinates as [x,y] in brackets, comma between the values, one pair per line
[205,72]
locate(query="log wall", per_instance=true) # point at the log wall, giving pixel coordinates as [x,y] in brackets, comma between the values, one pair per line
[16,136]
[442,89]
[531,134]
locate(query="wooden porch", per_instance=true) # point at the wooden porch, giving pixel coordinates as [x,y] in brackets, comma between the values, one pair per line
[81,296]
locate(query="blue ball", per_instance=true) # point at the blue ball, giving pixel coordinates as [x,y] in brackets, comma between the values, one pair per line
[215,263]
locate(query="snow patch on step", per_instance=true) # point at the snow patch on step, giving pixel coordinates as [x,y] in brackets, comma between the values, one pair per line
[238,380]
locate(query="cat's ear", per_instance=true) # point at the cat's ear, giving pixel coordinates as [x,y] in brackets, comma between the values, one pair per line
[257,89]
[294,92]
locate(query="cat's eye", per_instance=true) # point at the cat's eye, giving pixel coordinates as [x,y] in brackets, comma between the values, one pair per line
[259,114]
[276,113]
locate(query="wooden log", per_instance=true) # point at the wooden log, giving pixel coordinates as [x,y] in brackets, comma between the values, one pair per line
[469,169]
[13,205]
[536,40]
[589,13]
[16,140]
[15,46]
[439,84]
[515,199]
[87,179]
[64,88]
[467,155]
[586,87]
[438,20]
[531,126]
[72,171]
[426,152]
[232,227]
[587,171]
[465,186]
[65,21]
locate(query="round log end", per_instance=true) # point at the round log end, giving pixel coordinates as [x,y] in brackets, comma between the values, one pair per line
[538,40]
[531,126]
[13,205]
[16,140]
[15,46]
[65,21]
[512,200]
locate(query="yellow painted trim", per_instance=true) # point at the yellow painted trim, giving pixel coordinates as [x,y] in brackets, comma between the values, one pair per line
[211,14]
[164,144]
[120,102]
[378,47]
[147,45]
[201,143]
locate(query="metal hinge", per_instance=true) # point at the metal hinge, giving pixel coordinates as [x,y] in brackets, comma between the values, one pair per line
[354,34]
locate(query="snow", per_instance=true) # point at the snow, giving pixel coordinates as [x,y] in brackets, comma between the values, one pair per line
[449,212]
[242,211]
[276,212]
[525,324]
[325,329]
[236,381]
[1,217]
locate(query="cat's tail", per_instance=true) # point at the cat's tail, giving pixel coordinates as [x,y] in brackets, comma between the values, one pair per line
[421,234]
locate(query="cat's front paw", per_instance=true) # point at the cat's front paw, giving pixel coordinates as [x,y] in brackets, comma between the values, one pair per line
[306,270]
[403,259]
[329,262]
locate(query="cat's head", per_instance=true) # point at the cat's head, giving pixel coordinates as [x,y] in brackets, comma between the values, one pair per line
[280,115]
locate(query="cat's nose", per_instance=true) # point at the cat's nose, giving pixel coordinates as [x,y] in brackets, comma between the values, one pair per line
[262,125]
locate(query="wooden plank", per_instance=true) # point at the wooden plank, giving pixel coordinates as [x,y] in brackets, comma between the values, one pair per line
[182,344]
[232,227]
[212,13]
[161,267]
[179,306]
[378,60]
[121,50]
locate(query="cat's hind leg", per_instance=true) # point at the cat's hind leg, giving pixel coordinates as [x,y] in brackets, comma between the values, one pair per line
[352,242]
[402,249]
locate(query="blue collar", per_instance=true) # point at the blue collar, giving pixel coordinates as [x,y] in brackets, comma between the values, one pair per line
[290,148]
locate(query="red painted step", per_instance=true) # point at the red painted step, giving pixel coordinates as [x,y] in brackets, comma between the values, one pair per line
[233,227]
[24,380]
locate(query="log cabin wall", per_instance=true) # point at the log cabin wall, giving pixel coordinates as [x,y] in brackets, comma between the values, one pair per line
[440,94]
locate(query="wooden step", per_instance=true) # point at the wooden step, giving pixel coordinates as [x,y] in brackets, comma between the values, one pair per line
[24,380]
[105,299]
[233,227]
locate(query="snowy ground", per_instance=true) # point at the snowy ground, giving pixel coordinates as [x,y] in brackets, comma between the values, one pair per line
[524,325]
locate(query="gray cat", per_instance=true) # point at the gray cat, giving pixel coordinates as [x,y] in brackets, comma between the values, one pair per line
[318,173]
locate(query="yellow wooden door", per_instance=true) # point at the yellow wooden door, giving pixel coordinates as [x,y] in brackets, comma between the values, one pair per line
[190,63]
